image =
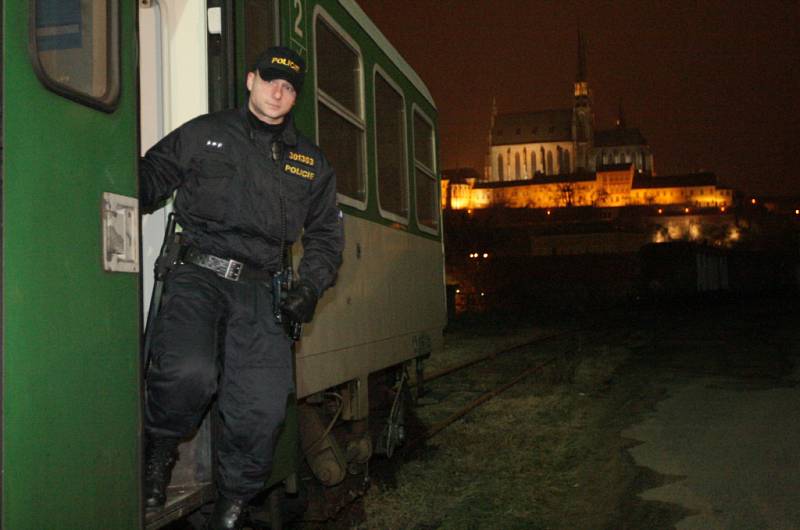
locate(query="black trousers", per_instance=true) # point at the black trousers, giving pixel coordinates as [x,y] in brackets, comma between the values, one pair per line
[216,336]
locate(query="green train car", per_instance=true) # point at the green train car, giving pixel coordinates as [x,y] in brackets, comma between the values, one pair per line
[87,86]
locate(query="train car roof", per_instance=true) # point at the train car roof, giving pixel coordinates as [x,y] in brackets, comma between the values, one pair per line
[372,30]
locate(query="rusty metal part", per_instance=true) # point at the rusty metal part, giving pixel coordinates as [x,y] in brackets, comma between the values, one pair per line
[358,449]
[322,451]
[355,399]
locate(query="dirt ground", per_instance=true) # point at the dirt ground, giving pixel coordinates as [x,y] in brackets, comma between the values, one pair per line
[550,452]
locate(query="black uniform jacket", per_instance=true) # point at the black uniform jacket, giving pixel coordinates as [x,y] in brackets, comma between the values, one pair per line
[238,196]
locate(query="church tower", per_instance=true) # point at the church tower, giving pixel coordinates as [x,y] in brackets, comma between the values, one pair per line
[582,115]
[487,166]
[621,117]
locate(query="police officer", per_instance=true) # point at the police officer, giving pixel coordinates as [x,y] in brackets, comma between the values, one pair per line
[248,183]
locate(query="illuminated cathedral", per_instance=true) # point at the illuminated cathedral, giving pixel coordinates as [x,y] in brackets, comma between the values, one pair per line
[556,158]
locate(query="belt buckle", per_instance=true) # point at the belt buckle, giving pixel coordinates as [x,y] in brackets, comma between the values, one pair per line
[234,270]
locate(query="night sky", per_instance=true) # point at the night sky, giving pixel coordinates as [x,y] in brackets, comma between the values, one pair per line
[712,85]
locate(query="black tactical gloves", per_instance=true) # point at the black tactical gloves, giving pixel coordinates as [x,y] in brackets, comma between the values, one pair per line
[300,302]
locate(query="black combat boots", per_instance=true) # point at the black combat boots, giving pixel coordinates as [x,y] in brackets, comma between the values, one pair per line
[228,514]
[160,456]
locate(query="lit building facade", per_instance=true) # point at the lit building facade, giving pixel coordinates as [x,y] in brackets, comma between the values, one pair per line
[555,158]
[612,186]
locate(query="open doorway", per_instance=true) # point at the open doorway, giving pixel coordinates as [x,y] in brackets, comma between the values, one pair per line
[193,57]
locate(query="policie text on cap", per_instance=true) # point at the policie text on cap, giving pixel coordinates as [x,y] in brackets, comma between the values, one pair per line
[280,62]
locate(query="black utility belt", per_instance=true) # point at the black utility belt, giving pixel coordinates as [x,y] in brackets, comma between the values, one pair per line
[230,269]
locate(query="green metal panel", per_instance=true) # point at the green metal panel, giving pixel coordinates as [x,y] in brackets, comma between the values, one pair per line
[70,388]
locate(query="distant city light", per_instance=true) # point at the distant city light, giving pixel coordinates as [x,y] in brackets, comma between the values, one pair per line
[548,212]
[660,211]
[686,210]
[485,254]
[458,291]
[722,209]
[675,231]
[797,212]
[752,201]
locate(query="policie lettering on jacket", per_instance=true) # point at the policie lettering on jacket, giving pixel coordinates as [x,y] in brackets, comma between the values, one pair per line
[229,188]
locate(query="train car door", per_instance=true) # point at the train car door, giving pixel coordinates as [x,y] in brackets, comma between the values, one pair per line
[70,266]
[178,82]
[173,89]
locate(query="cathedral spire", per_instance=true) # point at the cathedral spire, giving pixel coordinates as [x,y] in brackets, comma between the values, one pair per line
[581,81]
[582,115]
[487,167]
[581,76]
[620,116]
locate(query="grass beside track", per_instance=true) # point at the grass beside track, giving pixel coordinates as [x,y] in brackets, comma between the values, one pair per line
[544,454]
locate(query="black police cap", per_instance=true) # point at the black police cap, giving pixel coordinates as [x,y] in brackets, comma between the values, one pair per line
[280,62]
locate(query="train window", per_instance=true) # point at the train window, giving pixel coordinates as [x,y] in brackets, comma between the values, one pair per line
[425,174]
[390,134]
[423,141]
[340,114]
[343,147]
[75,49]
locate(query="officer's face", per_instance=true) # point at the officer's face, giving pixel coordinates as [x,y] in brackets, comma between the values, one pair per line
[272,100]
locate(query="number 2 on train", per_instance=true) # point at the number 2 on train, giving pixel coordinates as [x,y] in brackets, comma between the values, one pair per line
[298,4]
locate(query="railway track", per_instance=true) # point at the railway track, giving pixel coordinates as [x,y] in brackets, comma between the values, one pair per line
[578,337]
[536,367]
[436,428]
[433,430]
[466,364]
